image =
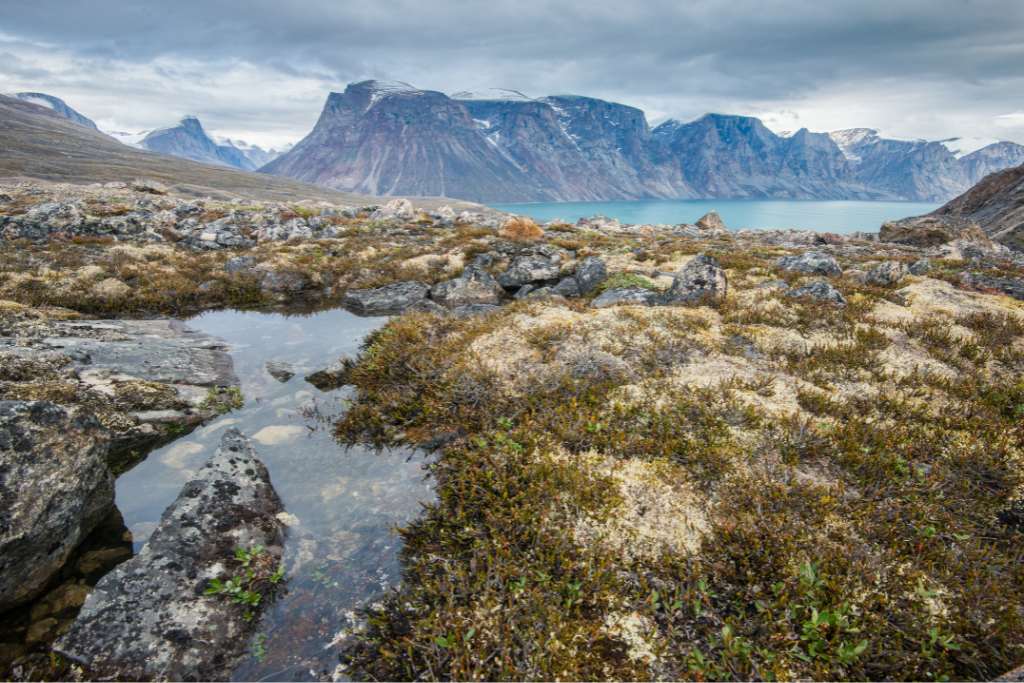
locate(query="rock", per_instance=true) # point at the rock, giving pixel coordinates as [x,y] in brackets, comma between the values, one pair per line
[280,370]
[920,267]
[468,310]
[111,288]
[1009,286]
[711,221]
[886,274]
[275,435]
[95,563]
[527,269]
[930,231]
[625,296]
[590,273]
[55,488]
[392,298]
[148,186]
[397,209]
[330,377]
[810,262]
[41,631]
[239,264]
[701,281]
[283,281]
[149,618]
[819,290]
[567,287]
[474,286]
[427,306]
[65,598]
[524,291]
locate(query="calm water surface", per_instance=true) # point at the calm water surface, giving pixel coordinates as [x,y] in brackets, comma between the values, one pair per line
[342,551]
[830,216]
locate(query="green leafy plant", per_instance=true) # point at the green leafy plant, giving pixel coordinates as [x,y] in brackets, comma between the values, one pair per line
[258,577]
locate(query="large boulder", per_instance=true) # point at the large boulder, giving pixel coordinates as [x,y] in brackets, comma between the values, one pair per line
[819,290]
[55,487]
[930,231]
[590,273]
[393,298]
[811,263]
[529,268]
[712,224]
[396,209]
[150,618]
[887,273]
[474,286]
[701,281]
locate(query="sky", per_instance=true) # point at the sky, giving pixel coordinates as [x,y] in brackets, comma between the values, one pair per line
[260,70]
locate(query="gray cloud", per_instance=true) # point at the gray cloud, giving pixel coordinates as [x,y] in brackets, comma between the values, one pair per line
[928,68]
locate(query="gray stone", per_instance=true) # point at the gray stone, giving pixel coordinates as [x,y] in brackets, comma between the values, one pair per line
[528,269]
[711,222]
[331,377]
[920,267]
[590,273]
[392,298]
[886,274]
[239,264]
[567,287]
[819,290]
[701,281]
[474,286]
[810,262]
[625,296]
[524,291]
[55,488]
[283,281]
[149,619]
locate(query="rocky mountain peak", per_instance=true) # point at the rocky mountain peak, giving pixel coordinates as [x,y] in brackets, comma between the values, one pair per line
[58,106]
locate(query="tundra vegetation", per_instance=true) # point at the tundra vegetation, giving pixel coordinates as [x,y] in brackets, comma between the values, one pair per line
[811,474]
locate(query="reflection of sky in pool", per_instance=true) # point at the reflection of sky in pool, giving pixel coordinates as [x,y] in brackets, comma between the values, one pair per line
[343,550]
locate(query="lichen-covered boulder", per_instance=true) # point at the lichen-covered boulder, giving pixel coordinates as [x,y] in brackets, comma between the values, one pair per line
[474,286]
[701,281]
[150,618]
[529,268]
[818,291]
[810,262]
[590,273]
[886,274]
[392,298]
[55,487]
[711,223]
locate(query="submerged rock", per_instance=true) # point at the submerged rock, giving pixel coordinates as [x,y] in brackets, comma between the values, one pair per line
[387,299]
[810,262]
[280,370]
[55,487]
[701,281]
[330,377]
[149,619]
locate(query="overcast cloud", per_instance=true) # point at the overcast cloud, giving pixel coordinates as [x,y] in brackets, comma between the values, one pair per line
[260,69]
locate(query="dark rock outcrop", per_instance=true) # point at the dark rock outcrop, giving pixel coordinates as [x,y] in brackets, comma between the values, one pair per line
[625,296]
[393,298]
[887,274]
[590,273]
[474,286]
[819,291]
[55,487]
[149,618]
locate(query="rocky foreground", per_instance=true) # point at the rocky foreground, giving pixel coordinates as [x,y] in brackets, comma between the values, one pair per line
[665,451]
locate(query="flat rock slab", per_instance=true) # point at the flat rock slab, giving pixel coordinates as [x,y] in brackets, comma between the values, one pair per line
[149,618]
[162,350]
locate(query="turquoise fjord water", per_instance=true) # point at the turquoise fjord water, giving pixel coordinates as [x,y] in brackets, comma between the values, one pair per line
[823,216]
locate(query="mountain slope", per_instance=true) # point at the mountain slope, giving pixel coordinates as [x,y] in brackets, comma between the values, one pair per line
[992,158]
[57,105]
[36,142]
[996,204]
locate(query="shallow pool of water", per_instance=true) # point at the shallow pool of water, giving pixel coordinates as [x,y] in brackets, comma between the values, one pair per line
[341,550]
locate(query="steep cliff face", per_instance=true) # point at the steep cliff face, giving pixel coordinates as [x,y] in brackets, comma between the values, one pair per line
[392,138]
[189,140]
[994,157]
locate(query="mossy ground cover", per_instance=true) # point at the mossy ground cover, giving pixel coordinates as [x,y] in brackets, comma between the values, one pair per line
[871,533]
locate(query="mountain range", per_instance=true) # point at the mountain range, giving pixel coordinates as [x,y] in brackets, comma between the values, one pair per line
[392,138]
